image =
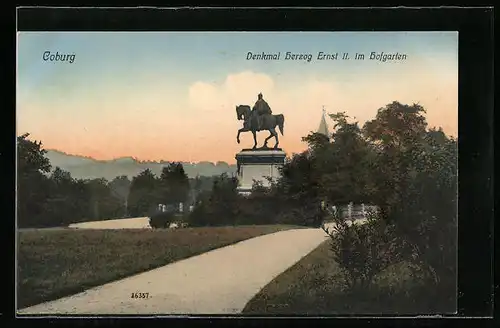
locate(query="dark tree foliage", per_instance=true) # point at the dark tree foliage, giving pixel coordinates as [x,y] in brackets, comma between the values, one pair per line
[32,181]
[120,188]
[410,172]
[173,185]
[143,197]
[218,206]
[49,197]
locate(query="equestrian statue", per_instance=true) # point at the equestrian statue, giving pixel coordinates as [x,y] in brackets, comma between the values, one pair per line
[259,118]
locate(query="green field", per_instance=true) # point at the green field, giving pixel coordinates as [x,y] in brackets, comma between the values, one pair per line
[58,263]
[313,286]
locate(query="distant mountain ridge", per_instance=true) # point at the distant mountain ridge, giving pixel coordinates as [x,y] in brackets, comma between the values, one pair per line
[82,167]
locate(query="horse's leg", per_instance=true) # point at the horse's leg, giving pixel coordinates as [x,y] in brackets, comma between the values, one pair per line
[270,136]
[254,139]
[276,137]
[243,129]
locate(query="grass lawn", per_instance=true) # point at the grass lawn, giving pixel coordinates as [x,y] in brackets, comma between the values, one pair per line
[58,263]
[314,286]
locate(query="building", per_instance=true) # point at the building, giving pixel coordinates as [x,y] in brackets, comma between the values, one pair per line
[323,127]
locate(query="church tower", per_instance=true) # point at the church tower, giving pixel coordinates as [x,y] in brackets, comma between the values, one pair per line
[323,127]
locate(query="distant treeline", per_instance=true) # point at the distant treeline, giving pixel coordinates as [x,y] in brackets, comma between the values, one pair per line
[48,197]
[88,168]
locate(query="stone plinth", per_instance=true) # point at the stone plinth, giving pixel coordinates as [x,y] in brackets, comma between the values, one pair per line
[258,165]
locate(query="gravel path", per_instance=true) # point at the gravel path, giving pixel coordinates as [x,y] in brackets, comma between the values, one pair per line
[221,281]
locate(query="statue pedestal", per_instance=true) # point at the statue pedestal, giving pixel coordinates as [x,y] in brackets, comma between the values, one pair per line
[258,164]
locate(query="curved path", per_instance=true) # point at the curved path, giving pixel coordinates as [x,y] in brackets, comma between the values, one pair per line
[221,281]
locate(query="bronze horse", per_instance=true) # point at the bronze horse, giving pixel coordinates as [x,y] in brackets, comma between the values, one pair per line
[250,123]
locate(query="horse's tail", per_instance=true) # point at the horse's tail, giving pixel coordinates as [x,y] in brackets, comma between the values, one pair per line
[280,120]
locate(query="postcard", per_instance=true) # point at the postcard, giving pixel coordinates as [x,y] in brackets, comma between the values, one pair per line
[236,173]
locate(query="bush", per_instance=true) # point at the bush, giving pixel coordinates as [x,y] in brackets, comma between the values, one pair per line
[425,219]
[161,220]
[361,250]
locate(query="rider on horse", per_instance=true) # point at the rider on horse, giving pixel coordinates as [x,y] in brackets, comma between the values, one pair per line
[260,109]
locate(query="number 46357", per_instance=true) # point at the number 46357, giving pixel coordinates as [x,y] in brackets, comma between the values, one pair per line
[140,295]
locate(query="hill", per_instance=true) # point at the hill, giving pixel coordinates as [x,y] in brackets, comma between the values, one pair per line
[88,168]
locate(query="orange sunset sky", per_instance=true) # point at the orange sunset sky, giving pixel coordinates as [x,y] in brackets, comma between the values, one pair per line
[172,96]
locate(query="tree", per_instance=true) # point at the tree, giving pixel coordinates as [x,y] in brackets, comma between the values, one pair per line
[32,182]
[31,157]
[80,200]
[426,217]
[120,188]
[417,184]
[347,164]
[265,205]
[336,169]
[199,185]
[46,200]
[316,141]
[174,184]
[59,208]
[61,177]
[397,126]
[103,203]
[219,206]
[143,196]
[299,180]
[298,191]
[396,133]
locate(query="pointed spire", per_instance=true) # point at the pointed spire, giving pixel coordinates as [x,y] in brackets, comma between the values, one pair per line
[323,127]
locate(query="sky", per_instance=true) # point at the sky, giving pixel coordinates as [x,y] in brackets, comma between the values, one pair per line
[172,95]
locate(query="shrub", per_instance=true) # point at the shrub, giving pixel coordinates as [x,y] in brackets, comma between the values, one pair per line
[161,220]
[425,219]
[361,250]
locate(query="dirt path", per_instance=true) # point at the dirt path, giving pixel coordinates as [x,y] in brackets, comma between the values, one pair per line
[221,281]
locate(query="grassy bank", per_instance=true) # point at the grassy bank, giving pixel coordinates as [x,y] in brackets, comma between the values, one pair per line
[314,286]
[58,263]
